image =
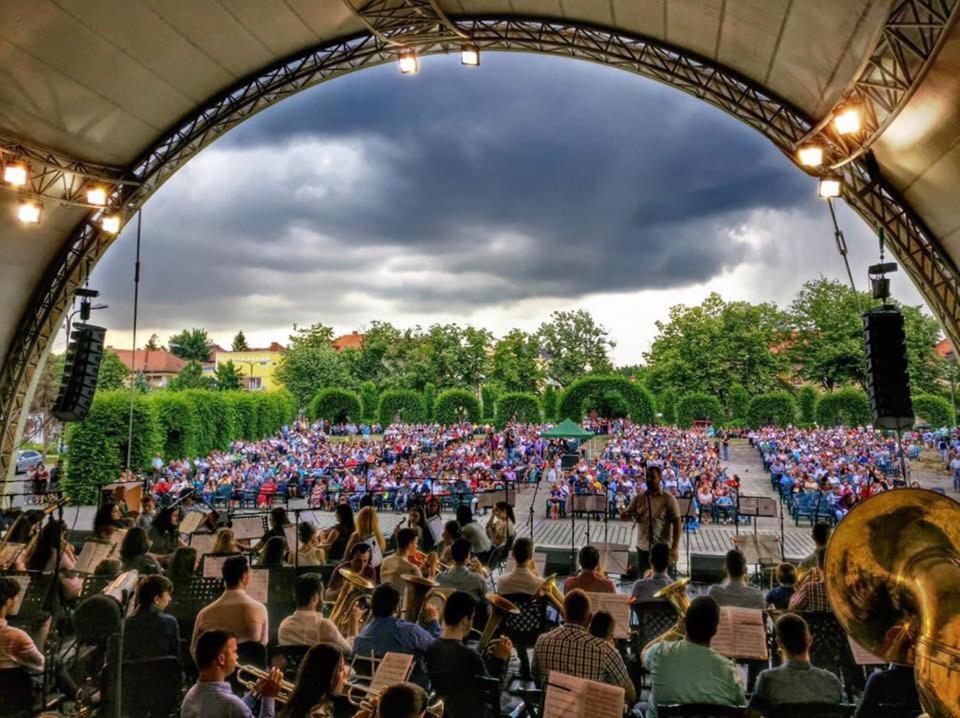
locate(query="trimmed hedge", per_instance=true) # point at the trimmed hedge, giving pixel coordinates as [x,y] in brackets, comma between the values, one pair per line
[667,404]
[807,401]
[455,405]
[368,401]
[215,419]
[844,407]
[692,407]
[737,403]
[403,403]
[776,408]
[488,396]
[591,389]
[520,404]
[178,423]
[550,401]
[244,407]
[429,397]
[935,409]
[98,445]
[335,405]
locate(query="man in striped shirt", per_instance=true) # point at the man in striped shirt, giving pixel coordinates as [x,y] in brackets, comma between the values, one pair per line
[17,649]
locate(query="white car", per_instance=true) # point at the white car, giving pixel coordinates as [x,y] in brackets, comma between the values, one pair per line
[27,459]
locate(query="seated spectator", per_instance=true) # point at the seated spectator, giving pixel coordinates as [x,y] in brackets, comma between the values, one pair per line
[459,576]
[734,590]
[795,680]
[245,617]
[149,632]
[571,649]
[779,597]
[399,563]
[359,562]
[524,578]
[307,626]
[687,670]
[645,588]
[812,594]
[590,578]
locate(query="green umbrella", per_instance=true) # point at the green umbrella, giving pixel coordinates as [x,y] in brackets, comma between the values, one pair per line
[568,429]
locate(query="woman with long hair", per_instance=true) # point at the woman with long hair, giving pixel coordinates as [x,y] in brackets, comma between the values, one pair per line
[226,542]
[334,539]
[44,557]
[479,542]
[309,552]
[134,553]
[183,566]
[164,533]
[321,677]
[502,524]
[106,521]
[273,552]
[278,521]
[368,530]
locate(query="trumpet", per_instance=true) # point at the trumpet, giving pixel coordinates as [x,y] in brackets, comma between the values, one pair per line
[286,687]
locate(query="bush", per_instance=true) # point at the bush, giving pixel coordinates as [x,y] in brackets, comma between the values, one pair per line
[844,407]
[935,409]
[455,405]
[737,403]
[520,404]
[695,406]
[776,408]
[178,423]
[215,420]
[335,405]
[598,390]
[550,399]
[488,395]
[667,402]
[288,406]
[807,402]
[405,404]
[429,397]
[245,425]
[269,413]
[368,401]
[98,445]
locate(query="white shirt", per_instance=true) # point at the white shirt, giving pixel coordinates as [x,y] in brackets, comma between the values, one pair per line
[234,611]
[393,568]
[308,628]
[520,580]
[18,649]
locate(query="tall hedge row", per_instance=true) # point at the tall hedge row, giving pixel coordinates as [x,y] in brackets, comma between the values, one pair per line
[550,401]
[455,405]
[368,401]
[216,423]
[935,409]
[777,408]
[519,405]
[597,389]
[335,405]
[178,422]
[807,402]
[844,407]
[403,403]
[692,407]
[488,396]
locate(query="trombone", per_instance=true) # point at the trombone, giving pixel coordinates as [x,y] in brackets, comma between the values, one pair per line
[286,687]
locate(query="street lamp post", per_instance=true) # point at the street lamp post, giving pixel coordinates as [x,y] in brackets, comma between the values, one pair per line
[251,363]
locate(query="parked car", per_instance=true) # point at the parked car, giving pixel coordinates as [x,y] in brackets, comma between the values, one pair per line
[27,459]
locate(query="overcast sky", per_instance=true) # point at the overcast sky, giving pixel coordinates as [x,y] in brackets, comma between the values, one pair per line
[488,196]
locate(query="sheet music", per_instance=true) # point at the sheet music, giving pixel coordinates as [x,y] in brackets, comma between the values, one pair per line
[203,543]
[290,533]
[116,540]
[393,669]
[741,634]
[863,657]
[93,552]
[435,526]
[577,697]
[24,582]
[213,566]
[604,700]
[617,605]
[191,522]
[247,527]
[9,553]
[614,557]
[259,586]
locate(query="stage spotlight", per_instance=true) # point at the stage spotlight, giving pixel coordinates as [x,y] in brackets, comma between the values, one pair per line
[110,223]
[810,155]
[847,119]
[830,186]
[470,55]
[409,64]
[16,174]
[97,195]
[29,211]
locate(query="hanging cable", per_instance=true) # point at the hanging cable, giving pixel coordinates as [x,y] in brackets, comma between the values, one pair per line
[842,248]
[133,353]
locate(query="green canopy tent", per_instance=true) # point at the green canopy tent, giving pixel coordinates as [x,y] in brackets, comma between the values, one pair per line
[568,429]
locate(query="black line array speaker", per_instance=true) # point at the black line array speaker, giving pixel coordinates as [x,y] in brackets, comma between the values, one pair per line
[888,382]
[80,368]
[569,461]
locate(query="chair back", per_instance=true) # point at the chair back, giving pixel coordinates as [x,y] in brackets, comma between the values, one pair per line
[653,618]
[151,687]
[96,619]
[287,658]
[700,710]
[453,689]
[525,627]
[806,710]
[17,696]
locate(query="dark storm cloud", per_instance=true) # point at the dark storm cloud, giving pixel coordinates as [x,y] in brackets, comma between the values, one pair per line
[457,188]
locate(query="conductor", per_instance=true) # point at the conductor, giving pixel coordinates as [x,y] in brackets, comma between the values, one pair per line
[657,515]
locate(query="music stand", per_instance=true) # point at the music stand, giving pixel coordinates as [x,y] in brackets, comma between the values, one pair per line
[756,507]
[685,504]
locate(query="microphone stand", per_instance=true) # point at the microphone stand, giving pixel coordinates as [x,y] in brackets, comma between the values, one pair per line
[686,537]
[533,502]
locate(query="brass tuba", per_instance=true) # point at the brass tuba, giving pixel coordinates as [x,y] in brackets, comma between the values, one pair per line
[353,589]
[500,607]
[420,591]
[548,589]
[676,594]
[893,577]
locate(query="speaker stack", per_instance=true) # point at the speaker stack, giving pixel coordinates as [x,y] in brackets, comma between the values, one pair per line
[888,381]
[80,368]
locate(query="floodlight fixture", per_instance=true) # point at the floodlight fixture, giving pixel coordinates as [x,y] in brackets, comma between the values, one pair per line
[16,173]
[830,186]
[97,195]
[110,223]
[848,119]
[470,55]
[810,155]
[409,64]
[29,211]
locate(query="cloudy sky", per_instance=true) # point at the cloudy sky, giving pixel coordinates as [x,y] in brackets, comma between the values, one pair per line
[487,196]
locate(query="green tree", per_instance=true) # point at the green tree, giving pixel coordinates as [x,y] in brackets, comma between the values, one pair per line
[310,363]
[807,403]
[550,401]
[573,341]
[737,402]
[153,344]
[190,377]
[515,363]
[113,373]
[227,377]
[698,406]
[368,400]
[240,343]
[192,345]
[519,406]
[844,407]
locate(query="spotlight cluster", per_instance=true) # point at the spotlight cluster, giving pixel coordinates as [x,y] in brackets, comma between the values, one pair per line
[847,119]
[409,63]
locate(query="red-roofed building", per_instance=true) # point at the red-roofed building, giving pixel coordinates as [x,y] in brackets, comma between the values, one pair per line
[158,366]
[348,341]
[945,349]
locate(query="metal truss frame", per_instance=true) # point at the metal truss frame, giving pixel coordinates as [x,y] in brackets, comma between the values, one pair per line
[908,238]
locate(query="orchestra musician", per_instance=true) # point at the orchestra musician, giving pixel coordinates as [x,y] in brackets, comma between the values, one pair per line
[451,532]
[524,578]
[734,590]
[472,531]
[278,522]
[657,515]
[44,558]
[368,532]
[463,575]
[149,632]
[400,563]
[359,562]
[591,578]
[272,552]
[148,509]
[106,521]
[226,542]
[17,649]
[644,589]
[320,680]
[164,532]
[334,540]
[306,626]
[183,566]
[501,526]
[309,550]
[245,617]
[134,553]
